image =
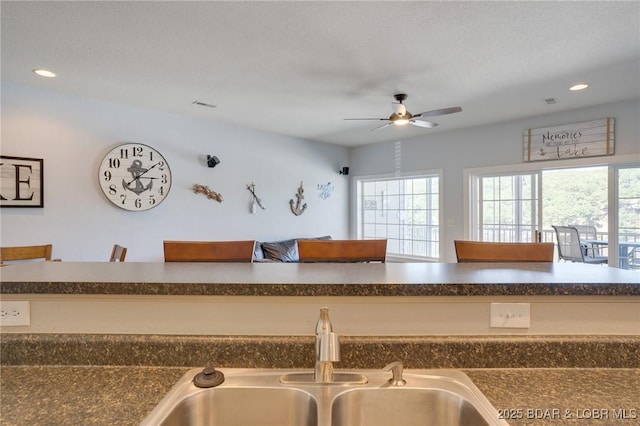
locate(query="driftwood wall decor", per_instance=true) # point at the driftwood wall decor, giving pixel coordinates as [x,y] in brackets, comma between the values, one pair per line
[255,201]
[211,194]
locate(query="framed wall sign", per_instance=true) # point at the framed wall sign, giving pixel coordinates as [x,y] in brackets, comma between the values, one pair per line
[587,139]
[21,182]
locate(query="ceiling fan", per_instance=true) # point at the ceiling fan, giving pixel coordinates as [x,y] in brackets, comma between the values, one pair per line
[401,116]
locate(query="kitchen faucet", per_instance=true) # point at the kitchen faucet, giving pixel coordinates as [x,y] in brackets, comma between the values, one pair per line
[327,349]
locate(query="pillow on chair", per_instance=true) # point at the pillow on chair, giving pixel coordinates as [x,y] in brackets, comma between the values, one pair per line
[281,251]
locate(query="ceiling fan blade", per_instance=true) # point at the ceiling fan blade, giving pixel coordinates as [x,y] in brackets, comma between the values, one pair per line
[437,112]
[382,127]
[366,118]
[423,123]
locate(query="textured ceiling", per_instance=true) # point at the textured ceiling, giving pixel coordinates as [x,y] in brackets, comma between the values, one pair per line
[300,68]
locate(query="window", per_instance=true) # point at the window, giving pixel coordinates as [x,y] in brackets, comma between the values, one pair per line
[404,210]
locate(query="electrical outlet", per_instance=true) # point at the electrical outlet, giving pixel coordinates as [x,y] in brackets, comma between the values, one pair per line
[510,315]
[15,313]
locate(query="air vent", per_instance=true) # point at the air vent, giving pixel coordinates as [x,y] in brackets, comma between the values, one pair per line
[203,104]
[550,101]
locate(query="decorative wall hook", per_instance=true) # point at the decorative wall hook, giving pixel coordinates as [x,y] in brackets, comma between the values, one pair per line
[255,201]
[212,161]
[298,209]
[212,195]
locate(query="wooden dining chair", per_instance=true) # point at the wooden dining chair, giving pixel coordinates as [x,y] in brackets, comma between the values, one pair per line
[118,253]
[25,253]
[482,251]
[342,250]
[208,251]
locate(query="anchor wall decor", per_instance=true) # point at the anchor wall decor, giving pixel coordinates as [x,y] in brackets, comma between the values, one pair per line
[212,195]
[298,209]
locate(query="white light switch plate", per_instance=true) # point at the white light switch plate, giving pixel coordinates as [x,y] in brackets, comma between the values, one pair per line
[15,313]
[510,315]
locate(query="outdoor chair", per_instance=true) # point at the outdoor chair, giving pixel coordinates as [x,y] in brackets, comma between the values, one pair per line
[482,251]
[118,253]
[588,232]
[343,251]
[571,249]
[208,251]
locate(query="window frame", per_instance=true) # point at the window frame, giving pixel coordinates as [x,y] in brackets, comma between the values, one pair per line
[358,212]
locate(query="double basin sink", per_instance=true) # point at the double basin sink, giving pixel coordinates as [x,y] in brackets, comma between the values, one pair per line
[260,397]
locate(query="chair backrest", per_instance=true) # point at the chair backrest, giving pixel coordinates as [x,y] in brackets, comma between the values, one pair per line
[342,250]
[569,246]
[118,253]
[586,232]
[25,253]
[482,251]
[208,251]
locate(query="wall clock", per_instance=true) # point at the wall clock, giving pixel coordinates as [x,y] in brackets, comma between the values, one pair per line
[135,177]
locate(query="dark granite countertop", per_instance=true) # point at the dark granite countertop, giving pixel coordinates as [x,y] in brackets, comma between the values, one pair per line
[276,279]
[89,395]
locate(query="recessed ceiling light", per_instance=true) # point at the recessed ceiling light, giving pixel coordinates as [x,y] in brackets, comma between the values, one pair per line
[44,73]
[579,86]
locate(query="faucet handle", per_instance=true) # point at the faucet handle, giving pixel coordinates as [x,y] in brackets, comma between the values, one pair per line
[396,371]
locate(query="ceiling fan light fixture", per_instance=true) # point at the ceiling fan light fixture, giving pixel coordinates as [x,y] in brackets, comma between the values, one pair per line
[400,119]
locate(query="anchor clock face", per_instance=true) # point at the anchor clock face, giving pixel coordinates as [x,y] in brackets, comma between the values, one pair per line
[135,177]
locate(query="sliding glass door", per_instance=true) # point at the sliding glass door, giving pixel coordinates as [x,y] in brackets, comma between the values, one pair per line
[506,207]
[602,201]
[627,181]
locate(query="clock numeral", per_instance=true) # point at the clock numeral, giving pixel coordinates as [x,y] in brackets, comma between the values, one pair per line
[107,175]
[163,179]
[150,155]
[138,203]
[114,163]
[161,165]
[112,190]
[123,197]
[137,151]
[152,200]
[161,190]
[124,153]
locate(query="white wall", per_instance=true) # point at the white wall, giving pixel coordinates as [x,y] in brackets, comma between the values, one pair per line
[73,134]
[492,145]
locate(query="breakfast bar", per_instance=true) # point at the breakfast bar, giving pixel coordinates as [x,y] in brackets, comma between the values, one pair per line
[122,333]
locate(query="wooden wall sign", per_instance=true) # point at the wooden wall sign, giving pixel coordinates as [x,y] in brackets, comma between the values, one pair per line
[21,182]
[587,139]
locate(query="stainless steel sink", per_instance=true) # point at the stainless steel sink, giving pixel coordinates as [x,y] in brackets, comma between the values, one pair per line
[405,407]
[268,397]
